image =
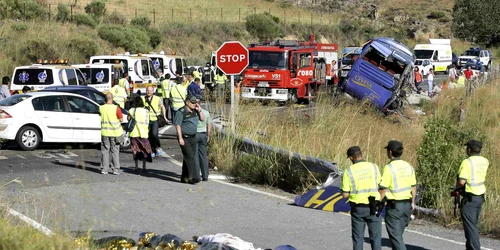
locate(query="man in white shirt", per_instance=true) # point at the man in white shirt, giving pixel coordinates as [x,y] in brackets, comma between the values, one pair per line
[452,74]
[4,90]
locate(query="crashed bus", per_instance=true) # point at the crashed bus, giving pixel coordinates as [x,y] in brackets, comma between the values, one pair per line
[381,73]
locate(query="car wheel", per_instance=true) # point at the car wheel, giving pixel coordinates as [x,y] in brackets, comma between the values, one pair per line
[28,138]
[126,142]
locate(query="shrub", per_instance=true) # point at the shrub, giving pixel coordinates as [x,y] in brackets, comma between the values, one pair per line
[86,47]
[63,13]
[38,49]
[439,156]
[16,9]
[263,26]
[444,19]
[436,15]
[115,18]
[19,27]
[83,19]
[155,37]
[130,38]
[96,9]
[141,21]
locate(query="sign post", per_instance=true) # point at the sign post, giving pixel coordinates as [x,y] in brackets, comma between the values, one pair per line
[232,59]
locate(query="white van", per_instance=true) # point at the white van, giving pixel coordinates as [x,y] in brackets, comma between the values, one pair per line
[39,76]
[167,64]
[437,55]
[101,76]
[140,70]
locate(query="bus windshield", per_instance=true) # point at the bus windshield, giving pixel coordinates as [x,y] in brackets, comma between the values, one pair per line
[376,58]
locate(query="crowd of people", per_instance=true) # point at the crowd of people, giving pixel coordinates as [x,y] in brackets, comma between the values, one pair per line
[368,190]
[174,102]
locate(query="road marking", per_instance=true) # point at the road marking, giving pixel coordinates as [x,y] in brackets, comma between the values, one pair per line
[440,238]
[3,157]
[163,130]
[253,190]
[20,156]
[31,222]
[64,156]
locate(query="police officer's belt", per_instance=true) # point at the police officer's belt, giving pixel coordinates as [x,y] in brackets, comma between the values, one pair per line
[473,195]
[399,201]
[358,205]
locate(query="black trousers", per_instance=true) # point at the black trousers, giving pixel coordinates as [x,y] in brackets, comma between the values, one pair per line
[190,170]
[470,211]
[153,137]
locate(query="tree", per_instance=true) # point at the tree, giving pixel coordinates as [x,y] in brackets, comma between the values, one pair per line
[477,21]
[263,26]
[96,9]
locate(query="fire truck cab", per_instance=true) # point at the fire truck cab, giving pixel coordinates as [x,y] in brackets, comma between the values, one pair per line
[287,70]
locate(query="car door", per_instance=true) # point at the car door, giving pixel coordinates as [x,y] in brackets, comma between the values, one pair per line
[55,119]
[87,121]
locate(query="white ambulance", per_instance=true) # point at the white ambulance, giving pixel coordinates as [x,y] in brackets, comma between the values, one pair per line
[139,68]
[101,76]
[435,55]
[167,64]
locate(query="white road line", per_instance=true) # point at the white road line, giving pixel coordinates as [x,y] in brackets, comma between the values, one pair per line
[64,155]
[163,130]
[220,179]
[71,154]
[3,157]
[31,222]
[20,156]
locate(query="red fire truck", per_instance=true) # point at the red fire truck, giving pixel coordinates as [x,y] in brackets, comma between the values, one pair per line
[286,70]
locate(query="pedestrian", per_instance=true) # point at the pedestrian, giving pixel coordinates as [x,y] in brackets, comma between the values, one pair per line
[399,186]
[194,87]
[452,73]
[111,135]
[468,73]
[155,105]
[4,90]
[471,176]
[139,143]
[430,81]
[360,185]
[220,84]
[460,81]
[119,95]
[124,83]
[186,123]
[203,133]
[418,80]
[237,91]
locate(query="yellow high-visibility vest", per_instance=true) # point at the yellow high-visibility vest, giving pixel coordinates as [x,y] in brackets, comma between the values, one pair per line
[122,83]
[361,181]
[178,95]
[119,95]
[141,116]
[154,109]
[110,124]
[473,171]
[398,177]
[220,79]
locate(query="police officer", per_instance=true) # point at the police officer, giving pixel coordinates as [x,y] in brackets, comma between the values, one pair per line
[119,95]
[359,183]
[399,186]
[472,174]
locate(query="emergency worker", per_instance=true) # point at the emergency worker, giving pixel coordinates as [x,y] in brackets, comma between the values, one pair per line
[360,185]
[178,97]
[471,175]
[119,95]
[164,90]
[124,83]
[220,83]
[155,106]
[399,186]
[111,131]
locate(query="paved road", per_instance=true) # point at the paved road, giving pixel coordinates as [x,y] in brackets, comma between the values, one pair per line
[63,190]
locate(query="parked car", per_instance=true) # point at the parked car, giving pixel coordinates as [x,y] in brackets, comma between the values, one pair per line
[37,117]
[94,95]
[485,56]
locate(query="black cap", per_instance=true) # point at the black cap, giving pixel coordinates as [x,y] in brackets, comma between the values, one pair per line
[353,150]
[473,143]
[5,80]
[192,98]
[394,145]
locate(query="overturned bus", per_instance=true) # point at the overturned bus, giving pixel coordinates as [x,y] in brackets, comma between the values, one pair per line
[381,74]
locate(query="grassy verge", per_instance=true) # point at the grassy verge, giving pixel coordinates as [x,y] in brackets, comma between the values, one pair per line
[434,143]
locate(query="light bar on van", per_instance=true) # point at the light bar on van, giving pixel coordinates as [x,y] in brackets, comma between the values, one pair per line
[60,61]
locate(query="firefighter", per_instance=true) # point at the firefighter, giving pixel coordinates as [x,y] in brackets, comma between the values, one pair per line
[124,83]
[399,186]
[208,76]
[472,174]
[119,95]
[360,184]
[220,83]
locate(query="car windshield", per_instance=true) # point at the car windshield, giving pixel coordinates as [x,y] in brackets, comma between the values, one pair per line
[418,62]
[267,59]
[423,54]
[13,100]
[471,53]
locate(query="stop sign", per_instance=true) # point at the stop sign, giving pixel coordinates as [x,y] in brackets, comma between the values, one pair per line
[232,58]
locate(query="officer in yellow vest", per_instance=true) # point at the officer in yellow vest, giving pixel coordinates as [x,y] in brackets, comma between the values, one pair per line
[220,84]
[119,95]
[165,88]
[360,184]
[123,82]
[471,175]
[111,131]
[155,106]
[178,97]
[399,186]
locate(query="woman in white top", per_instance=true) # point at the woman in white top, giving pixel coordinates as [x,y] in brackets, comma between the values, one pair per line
[430,80]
